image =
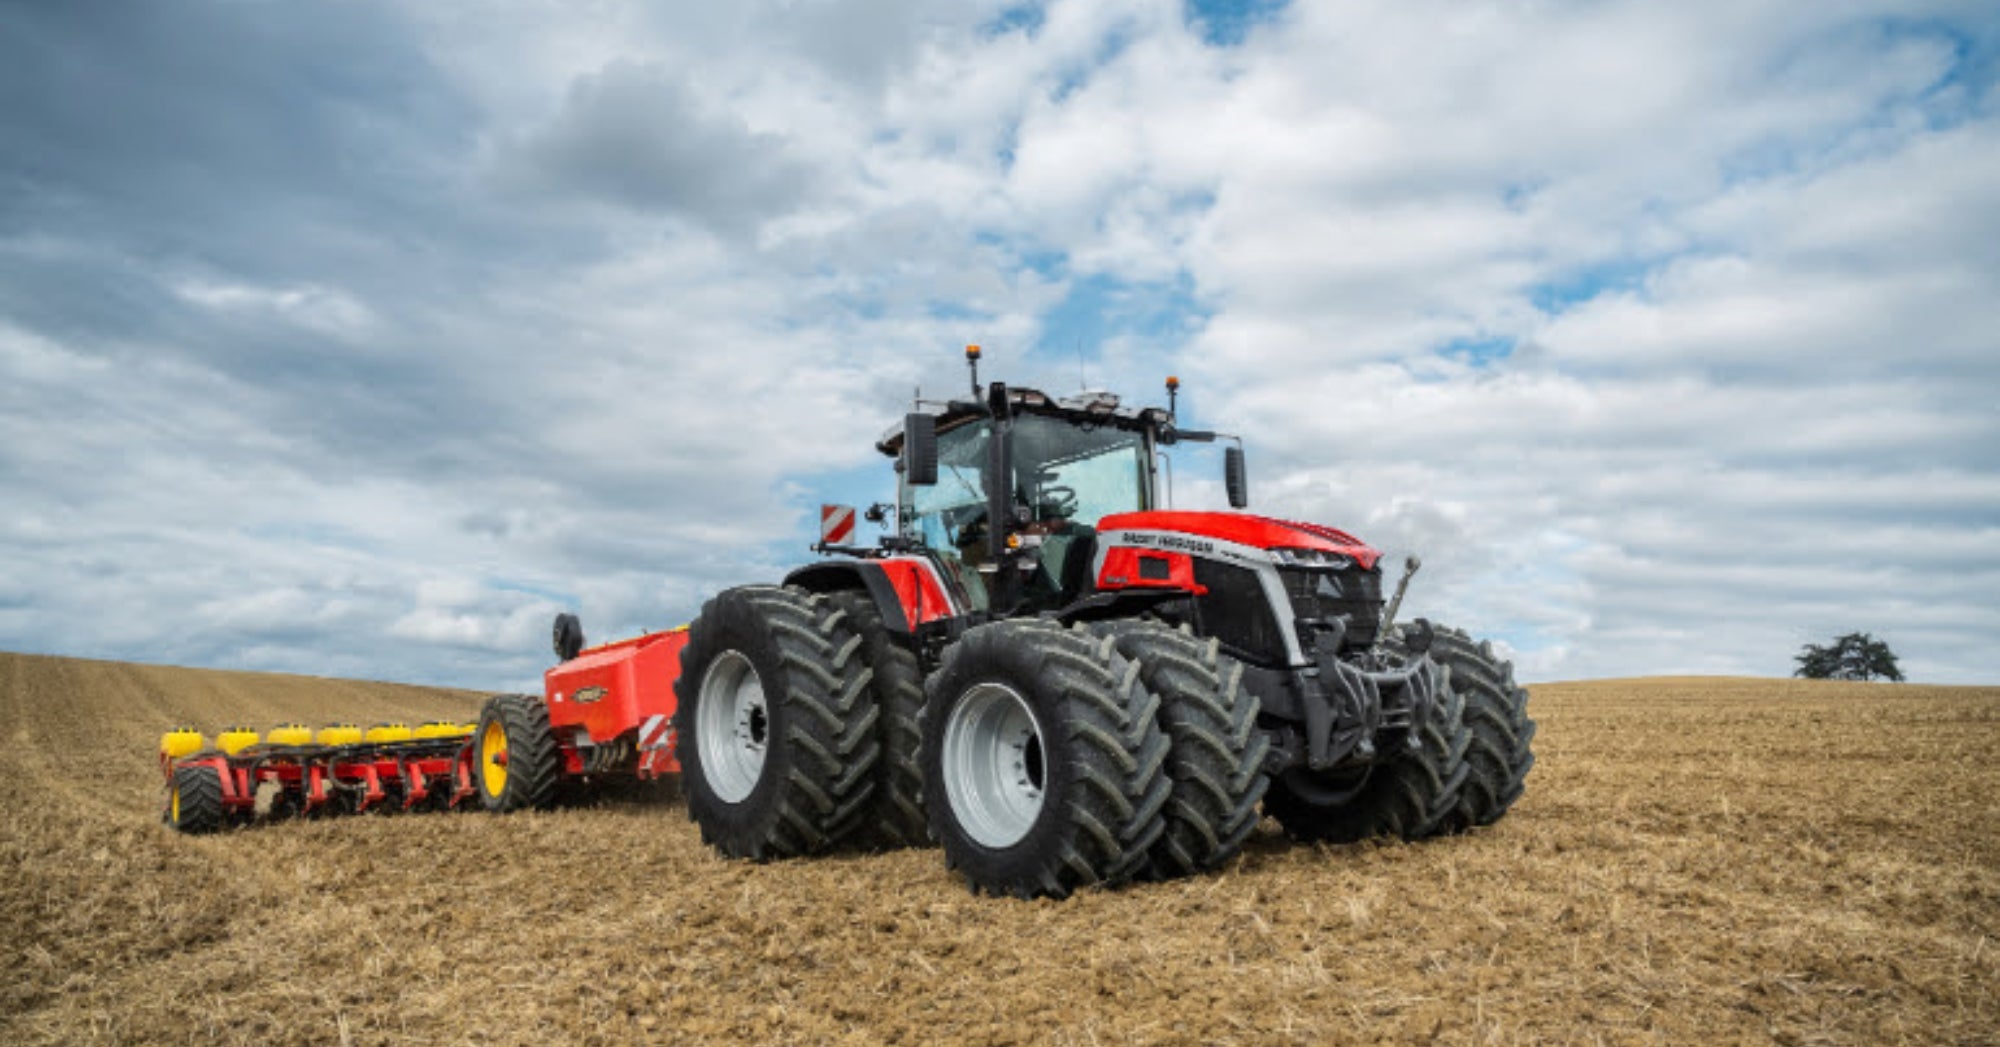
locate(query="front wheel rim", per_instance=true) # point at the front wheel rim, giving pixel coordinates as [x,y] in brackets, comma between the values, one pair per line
[732,727]
[994,765]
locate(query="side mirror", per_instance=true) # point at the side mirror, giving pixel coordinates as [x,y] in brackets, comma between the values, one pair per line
[920,453]
[1234,478]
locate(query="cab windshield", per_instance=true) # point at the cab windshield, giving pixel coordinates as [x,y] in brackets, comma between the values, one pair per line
[1066,478]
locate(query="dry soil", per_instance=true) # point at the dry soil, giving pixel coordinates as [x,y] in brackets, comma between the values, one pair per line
[1696,861]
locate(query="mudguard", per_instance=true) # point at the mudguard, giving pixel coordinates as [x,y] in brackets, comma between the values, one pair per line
[906,589]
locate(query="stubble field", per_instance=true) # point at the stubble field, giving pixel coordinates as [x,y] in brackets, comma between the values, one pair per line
[1696,861]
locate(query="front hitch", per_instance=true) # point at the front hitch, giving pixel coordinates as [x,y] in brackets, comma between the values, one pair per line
[1349,711]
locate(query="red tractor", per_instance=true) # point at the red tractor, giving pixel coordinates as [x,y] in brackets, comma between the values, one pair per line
[1042,669]
[1064,684]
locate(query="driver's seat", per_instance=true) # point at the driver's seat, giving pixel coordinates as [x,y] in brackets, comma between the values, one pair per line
[1066,560]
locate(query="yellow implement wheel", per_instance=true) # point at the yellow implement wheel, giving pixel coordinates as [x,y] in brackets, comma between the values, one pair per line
[516,754]
[493,759]
[194,800]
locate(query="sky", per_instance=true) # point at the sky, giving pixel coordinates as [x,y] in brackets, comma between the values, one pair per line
[358,339]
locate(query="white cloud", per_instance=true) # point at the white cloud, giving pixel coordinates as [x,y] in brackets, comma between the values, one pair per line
[1666,333]
[328,310]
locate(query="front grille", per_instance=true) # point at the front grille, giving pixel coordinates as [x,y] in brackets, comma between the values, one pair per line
[1236,612]
[1352,593]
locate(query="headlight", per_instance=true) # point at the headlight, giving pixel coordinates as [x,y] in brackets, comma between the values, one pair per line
[1312,558]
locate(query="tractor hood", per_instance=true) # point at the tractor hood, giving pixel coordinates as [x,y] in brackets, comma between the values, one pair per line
[1257,532]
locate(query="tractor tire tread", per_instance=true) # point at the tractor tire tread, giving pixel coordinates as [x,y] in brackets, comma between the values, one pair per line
[1411,795]
[1215,751]
[820,693]
[898,818]
[201,807]
[1496,713]
[1113,812]
[534,759]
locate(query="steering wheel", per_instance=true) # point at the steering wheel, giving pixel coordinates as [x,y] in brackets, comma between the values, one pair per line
[1061,498]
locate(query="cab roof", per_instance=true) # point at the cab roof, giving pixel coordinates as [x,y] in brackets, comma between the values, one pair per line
[1093,405]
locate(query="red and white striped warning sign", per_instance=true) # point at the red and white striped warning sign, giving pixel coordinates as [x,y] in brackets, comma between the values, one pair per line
[836,524]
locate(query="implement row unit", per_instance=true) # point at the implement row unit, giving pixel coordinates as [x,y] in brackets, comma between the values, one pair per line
[340,769]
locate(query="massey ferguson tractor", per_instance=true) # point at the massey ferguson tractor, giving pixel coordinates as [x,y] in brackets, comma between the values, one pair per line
[1040,667]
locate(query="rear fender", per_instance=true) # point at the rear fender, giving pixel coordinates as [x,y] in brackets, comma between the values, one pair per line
[906,589]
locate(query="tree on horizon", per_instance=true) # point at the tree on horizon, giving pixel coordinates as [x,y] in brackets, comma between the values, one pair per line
[1856,656]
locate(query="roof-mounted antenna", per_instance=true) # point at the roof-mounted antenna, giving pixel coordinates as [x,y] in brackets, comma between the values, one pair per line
[972,361]
[1173,396]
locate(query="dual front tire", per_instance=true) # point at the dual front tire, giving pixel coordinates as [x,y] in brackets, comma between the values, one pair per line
[1499,734]
[1216,751]
[1045,760]
[1472,759]
[1092,754]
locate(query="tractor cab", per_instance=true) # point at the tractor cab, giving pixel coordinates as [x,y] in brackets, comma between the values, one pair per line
[1005,490]
[1065,470]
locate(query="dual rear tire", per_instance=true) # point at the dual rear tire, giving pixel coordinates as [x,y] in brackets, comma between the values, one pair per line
[777,724]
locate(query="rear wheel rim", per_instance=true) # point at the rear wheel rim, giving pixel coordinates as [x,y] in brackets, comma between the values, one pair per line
[994,765]
[493,758]
[732,727]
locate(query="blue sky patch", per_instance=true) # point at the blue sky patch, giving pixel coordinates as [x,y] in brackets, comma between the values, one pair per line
[1558,296]
[1480,351]
[1102,307]
[1224,23]
[1975,65]
[954,312]
[1114,44]
[1025,18]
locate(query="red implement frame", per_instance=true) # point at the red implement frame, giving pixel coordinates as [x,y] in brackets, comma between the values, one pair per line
[364,776]
[607,693]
